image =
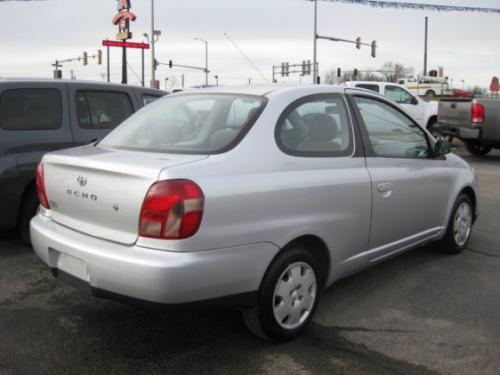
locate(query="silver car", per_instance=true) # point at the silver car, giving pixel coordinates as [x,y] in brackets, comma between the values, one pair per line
[254,198]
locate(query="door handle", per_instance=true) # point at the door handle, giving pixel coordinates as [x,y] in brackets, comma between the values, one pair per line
[385,187]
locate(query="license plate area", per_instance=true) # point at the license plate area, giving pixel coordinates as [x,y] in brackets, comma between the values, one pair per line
[69,265]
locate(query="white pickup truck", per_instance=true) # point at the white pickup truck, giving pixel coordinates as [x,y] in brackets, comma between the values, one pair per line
[426,113]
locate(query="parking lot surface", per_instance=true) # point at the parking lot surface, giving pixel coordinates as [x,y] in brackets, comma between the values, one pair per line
[419,313]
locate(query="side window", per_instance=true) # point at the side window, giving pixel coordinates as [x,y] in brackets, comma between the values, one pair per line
[31,109]
[316,126]
[398,95]
[102,110]
[392,134]
[366,86]
[148,99]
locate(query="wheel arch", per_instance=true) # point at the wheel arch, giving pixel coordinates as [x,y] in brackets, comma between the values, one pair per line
[30,186]
[316,246]
[468,191]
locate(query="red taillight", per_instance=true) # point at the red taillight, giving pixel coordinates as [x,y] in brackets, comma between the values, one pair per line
[40,187]
[477,113]
[172,209]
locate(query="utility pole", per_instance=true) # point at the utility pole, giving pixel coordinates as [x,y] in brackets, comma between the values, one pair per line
[143,73]
[206,59]
[153,64]
[108,64]
[315,53]
[426,41]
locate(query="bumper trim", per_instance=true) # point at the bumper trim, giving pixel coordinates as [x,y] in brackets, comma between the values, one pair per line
[231,302]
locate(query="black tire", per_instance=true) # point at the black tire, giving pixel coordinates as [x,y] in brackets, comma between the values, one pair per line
[477,149]
[430,94]
[436,134]
[260,319]
[449,243]
[29,208]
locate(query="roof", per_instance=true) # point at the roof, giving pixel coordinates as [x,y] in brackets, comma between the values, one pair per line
[264,90]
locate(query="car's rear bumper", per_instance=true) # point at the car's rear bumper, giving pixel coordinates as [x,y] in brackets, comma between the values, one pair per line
[469,132]
[153,277]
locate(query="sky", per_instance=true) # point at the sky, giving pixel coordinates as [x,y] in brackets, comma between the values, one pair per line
[35,33]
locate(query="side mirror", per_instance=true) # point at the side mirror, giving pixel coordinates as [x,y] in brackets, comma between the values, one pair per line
[442,147]
[414,101]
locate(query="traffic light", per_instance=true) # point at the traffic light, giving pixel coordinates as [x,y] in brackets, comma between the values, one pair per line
[308,67]
[304,67]
[85,58]
[339,72]
[355,73]
[287,69]
[57,74]
[374,49]
[99,57]
[358,43]
[283,69]
[170,63]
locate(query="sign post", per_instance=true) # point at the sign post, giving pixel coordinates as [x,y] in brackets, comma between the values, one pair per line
[122,19]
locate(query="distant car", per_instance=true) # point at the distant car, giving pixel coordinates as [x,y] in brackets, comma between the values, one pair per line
[424,112]
[457,93]
[37,116]
[269,196]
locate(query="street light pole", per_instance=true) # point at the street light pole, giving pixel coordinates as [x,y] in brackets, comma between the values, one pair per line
[206,59]
[315,57]
[153,65]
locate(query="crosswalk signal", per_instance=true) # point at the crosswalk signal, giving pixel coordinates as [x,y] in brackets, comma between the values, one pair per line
[374,49]
[85,58]
[358,43]
[99,57]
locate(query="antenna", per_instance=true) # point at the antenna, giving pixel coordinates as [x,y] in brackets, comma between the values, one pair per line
[246,57]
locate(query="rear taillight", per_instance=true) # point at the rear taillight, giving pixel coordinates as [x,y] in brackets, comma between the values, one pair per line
[40,187]
[172,210]
[477,113]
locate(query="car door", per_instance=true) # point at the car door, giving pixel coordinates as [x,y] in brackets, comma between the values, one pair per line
[409,184]
[406,100]
[96,110]
[326,184]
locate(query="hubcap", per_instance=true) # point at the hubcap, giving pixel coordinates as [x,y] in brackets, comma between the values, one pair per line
[463,224]
[294,296]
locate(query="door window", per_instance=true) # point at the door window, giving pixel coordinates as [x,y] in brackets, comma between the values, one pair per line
[398,95]
[102,110]
[316,126]
[31,109]
[391,133]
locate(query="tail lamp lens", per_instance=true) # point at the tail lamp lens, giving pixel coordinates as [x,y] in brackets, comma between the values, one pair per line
[477,113]
[40,187]
[172,209]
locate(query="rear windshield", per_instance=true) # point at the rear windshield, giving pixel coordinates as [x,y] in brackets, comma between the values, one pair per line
[188,124]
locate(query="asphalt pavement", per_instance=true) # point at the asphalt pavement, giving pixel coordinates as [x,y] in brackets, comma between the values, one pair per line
[420,313]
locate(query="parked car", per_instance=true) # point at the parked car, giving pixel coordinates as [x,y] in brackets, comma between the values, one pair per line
[271,197]
[457,93]
[424,112]
[37,116]
[475,121]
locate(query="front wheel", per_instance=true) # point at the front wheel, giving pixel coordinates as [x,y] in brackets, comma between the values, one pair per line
[287,298]
[459,227]
[477,149]
[430,94]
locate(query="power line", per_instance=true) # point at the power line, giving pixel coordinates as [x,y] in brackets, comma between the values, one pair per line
[416,6]
[246,57]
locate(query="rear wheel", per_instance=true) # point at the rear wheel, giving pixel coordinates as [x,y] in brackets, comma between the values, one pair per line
[287,298]
[459,226]
[29,208]
[430,94]
[478,149]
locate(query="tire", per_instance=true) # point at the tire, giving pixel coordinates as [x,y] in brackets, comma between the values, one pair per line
[435,133]
[459,227]
[477,149]
[430,94]
[288,296]
[29,208]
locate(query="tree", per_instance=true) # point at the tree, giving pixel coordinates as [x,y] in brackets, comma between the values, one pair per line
[393,71]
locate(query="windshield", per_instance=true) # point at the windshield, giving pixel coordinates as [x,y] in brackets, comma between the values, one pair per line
[189,124]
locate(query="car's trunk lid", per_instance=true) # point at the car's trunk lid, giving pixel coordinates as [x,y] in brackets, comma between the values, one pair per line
[100,191]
